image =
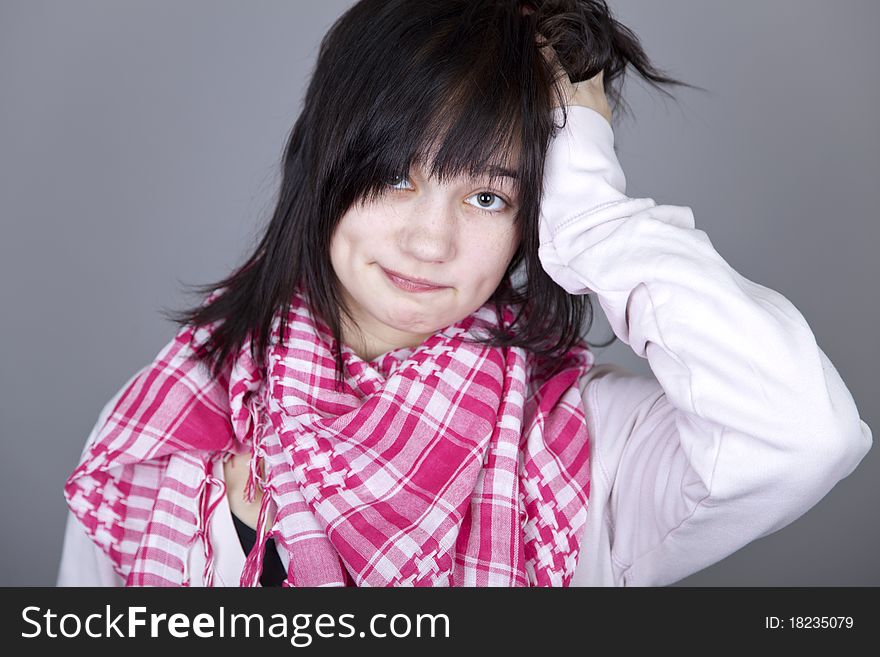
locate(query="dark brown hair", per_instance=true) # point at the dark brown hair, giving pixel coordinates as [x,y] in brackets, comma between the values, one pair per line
[395,79]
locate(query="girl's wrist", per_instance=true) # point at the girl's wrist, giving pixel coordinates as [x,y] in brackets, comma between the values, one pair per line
[584,97]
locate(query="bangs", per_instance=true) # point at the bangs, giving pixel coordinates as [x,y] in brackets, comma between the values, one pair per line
[448,98]
[459,134]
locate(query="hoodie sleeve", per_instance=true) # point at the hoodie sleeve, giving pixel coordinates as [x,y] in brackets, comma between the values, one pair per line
[747,423]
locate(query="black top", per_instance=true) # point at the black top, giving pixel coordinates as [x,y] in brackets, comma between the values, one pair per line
[273,570]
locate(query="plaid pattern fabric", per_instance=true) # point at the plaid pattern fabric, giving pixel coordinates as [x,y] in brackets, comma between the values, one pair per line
[447,464]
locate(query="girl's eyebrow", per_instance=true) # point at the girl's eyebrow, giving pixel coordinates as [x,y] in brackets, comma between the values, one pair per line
[488,170]
[496,170]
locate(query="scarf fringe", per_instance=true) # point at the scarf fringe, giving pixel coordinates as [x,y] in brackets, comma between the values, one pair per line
[206,510]
[253,565]
[259,424]
[250,487]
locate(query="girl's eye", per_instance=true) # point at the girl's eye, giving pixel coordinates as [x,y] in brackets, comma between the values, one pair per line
[485,201]
[396,180]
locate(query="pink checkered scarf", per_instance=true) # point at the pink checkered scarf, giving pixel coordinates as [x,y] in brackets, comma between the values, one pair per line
[447,464]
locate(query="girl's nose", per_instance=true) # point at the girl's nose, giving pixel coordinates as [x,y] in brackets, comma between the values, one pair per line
[429,230]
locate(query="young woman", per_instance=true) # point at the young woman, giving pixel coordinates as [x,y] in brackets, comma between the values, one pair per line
[394,388]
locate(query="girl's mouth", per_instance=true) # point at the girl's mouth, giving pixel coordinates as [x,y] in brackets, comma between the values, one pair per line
[410,285]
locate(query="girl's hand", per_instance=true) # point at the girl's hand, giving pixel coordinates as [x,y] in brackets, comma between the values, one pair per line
[587,93]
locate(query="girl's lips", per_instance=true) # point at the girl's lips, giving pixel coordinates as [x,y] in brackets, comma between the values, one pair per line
[409,285]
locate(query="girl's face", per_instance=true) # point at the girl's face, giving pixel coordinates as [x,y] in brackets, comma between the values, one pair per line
[459,236]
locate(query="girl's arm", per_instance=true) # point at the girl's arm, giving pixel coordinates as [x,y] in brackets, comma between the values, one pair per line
[748,423]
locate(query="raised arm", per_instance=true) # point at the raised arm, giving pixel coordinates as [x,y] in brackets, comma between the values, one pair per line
[748,424]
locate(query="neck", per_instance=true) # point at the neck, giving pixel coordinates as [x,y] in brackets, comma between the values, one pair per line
[368,345]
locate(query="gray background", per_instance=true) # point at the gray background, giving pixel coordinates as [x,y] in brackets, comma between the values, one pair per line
[139,147]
